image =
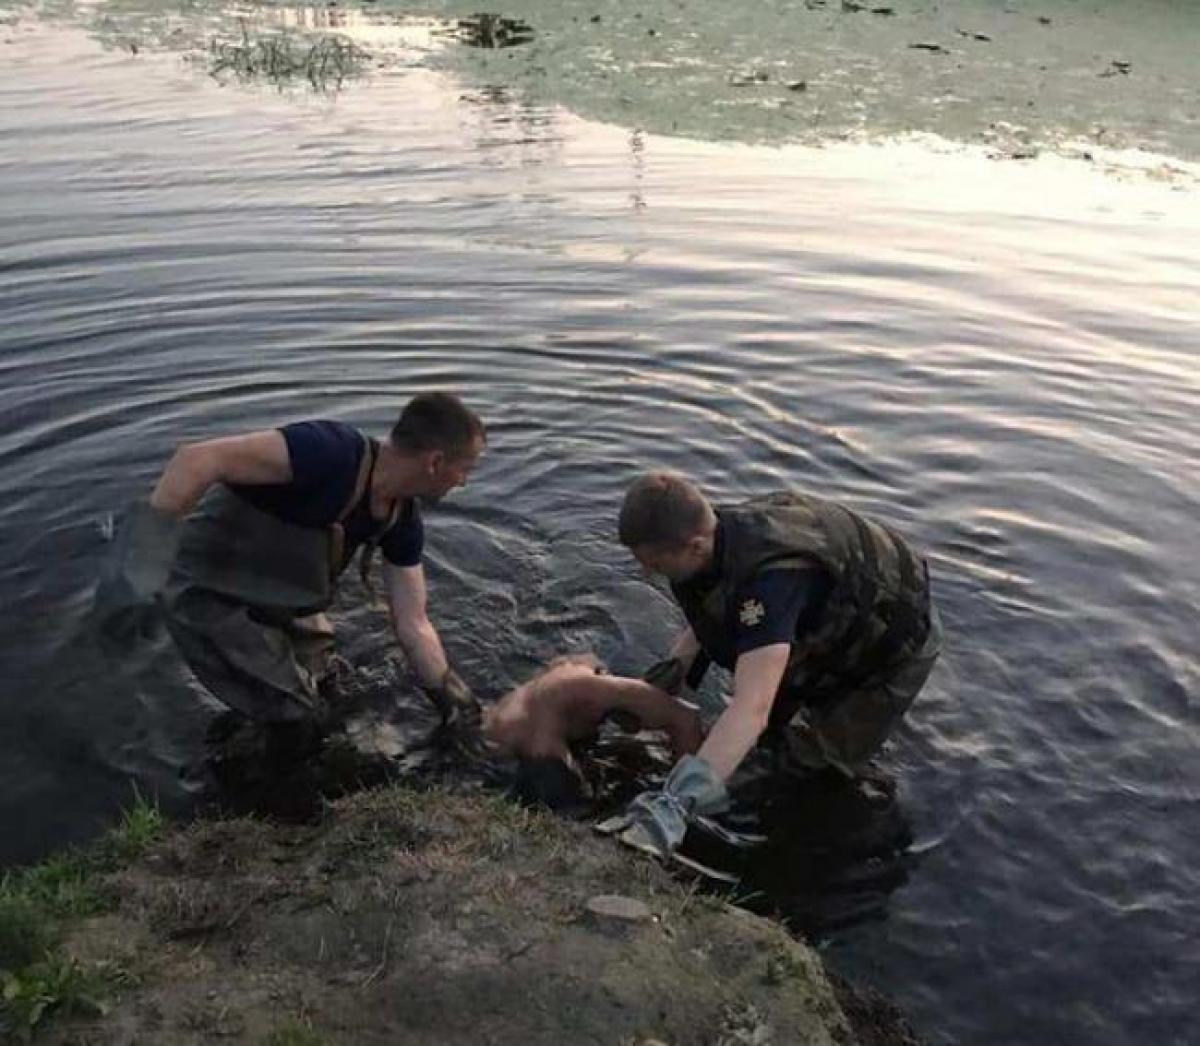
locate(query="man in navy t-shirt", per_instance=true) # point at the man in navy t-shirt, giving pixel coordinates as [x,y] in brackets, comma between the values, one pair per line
[325,457]
[243,538]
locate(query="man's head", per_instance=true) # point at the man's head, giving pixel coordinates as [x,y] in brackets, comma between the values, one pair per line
[668,525]
[442,438]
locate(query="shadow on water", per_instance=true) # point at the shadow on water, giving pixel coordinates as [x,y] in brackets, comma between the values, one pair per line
[834,851]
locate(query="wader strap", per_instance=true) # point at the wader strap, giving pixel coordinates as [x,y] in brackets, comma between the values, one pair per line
[366,466]
[371,542]
[368,550]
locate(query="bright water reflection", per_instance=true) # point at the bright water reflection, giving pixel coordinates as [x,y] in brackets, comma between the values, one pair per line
[999,358]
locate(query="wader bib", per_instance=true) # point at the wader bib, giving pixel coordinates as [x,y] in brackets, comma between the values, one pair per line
[245,601]
[849,679]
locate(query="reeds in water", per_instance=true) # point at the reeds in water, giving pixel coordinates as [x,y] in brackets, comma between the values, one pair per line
[285,58]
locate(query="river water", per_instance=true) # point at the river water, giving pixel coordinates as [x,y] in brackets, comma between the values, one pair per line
[998,356]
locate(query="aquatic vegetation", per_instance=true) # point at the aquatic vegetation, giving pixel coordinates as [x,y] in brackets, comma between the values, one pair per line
[491,31]
[283,58]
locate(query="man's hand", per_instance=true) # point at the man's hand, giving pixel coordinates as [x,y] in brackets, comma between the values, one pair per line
[128,597]
[656,822]
[454,701]
[462,717]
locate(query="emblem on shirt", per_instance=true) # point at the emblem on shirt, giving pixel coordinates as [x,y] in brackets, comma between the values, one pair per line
[752,612]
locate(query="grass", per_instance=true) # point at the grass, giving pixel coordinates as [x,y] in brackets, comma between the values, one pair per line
[784,964]
[293,1033]
[55,983]
[284,58]
[141,823]
[37,903]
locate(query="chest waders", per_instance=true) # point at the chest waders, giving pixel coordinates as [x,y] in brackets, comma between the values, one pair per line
[245,601]
[851,676]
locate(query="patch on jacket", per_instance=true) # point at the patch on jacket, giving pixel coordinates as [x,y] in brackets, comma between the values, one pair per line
[752,612]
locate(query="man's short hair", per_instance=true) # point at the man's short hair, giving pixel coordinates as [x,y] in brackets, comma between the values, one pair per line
[662,510]
[437,421]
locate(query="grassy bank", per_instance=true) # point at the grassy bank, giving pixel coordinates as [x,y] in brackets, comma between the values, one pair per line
[39,906]
[404,916]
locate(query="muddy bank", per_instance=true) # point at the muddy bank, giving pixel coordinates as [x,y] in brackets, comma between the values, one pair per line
[422,917]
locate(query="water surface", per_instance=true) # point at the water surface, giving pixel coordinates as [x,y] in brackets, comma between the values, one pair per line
[1000,358]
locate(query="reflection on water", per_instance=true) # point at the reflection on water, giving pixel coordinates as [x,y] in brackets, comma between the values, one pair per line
[998,358]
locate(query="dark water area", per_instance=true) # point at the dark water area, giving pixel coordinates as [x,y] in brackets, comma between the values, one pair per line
[1001,359]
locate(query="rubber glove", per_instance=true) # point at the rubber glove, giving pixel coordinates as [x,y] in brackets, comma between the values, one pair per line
[128,602]
[462,717]
[656,822]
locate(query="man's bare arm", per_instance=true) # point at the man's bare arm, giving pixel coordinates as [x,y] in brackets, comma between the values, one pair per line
[410,621]
[756,680]
[256,457]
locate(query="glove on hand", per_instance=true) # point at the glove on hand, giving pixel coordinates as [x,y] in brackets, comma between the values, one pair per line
[667,675]
[656,822]
[454,701]
[462,718]
[127,604]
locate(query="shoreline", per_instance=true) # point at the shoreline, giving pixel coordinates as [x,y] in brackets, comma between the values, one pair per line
[403,915]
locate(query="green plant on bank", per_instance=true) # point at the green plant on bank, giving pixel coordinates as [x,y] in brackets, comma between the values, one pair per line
[140,825]
[36,903]
[294,1033]
[783,965]
[283,58]
[56,983]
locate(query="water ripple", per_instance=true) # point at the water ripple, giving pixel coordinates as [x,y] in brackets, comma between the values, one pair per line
[1000,360]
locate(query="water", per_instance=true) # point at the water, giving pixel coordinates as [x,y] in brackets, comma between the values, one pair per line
[998,357]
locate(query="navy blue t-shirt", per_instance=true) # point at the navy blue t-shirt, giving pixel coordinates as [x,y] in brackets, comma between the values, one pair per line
[325,457]
[777,606]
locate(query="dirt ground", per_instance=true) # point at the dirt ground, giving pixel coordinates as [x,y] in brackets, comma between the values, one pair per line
[412,916]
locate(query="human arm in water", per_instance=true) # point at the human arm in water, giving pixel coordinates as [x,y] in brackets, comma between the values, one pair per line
[568,701]
[649,706]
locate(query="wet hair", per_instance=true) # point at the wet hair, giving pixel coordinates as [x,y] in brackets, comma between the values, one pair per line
[662,510]
[437,421]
